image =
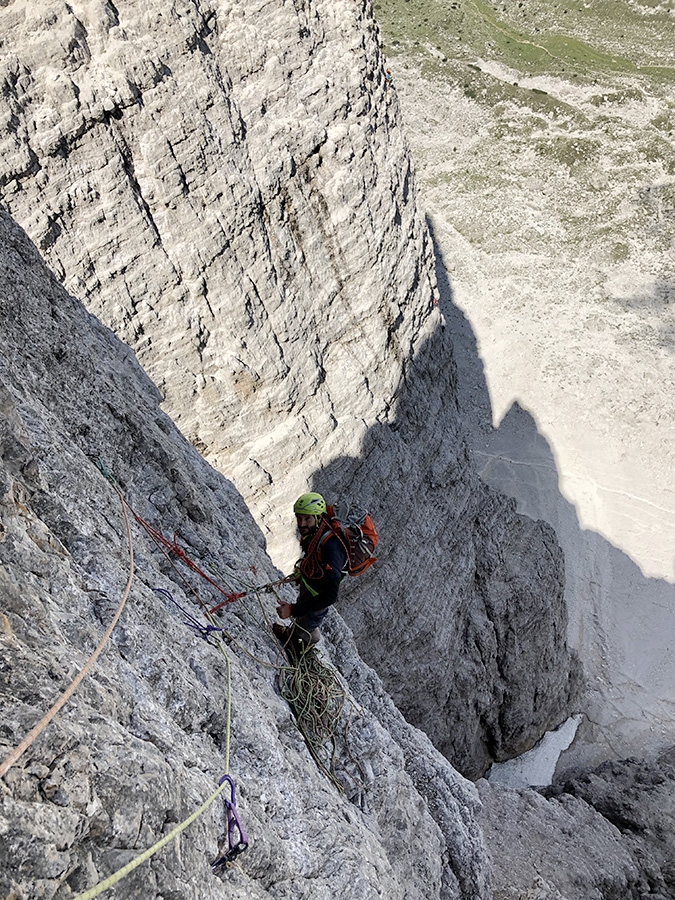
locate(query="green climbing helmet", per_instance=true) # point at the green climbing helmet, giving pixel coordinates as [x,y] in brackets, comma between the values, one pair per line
[310,504]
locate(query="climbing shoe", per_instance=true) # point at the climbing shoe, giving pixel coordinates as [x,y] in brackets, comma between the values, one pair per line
[284,634]
[306,638]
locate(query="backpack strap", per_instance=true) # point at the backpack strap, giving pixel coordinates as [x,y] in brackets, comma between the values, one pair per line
[311,566]
[334,530]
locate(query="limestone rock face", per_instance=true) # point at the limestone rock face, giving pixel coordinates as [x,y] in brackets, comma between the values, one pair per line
[144,740]
[638,797]
[555,849]
[226,185]
[607,833]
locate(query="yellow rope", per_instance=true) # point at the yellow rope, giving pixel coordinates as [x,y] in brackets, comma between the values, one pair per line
[46,719]
[125,870]
[67,694]
[139,860]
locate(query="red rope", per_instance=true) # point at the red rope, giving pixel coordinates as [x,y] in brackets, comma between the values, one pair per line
[311,564]
[179,553]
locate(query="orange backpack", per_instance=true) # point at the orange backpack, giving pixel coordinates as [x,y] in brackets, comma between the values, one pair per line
[356,530]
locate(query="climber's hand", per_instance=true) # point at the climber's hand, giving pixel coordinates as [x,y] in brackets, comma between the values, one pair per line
[284,610]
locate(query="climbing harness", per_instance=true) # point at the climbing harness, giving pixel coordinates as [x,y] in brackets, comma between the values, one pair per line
[236,836]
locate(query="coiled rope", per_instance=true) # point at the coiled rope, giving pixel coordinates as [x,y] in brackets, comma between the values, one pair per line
[317,701]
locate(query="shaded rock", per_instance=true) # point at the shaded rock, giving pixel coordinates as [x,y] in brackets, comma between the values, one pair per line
[604,834]
[548,849]
[638,797]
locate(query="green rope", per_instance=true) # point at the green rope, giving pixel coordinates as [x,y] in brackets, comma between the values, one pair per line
[125,870]
[311,690]
[147,854]
[143,857]
[317,701]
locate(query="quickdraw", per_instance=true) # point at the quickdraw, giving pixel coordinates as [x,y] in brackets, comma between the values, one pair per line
[236,836]
[204,631]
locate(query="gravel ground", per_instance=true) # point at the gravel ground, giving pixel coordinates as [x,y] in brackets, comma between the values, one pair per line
[550,191]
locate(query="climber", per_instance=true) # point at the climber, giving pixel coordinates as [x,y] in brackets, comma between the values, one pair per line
[319,573]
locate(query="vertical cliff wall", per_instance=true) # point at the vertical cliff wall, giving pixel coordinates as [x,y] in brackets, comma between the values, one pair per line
[540,135]
[227,186]
[145,738]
